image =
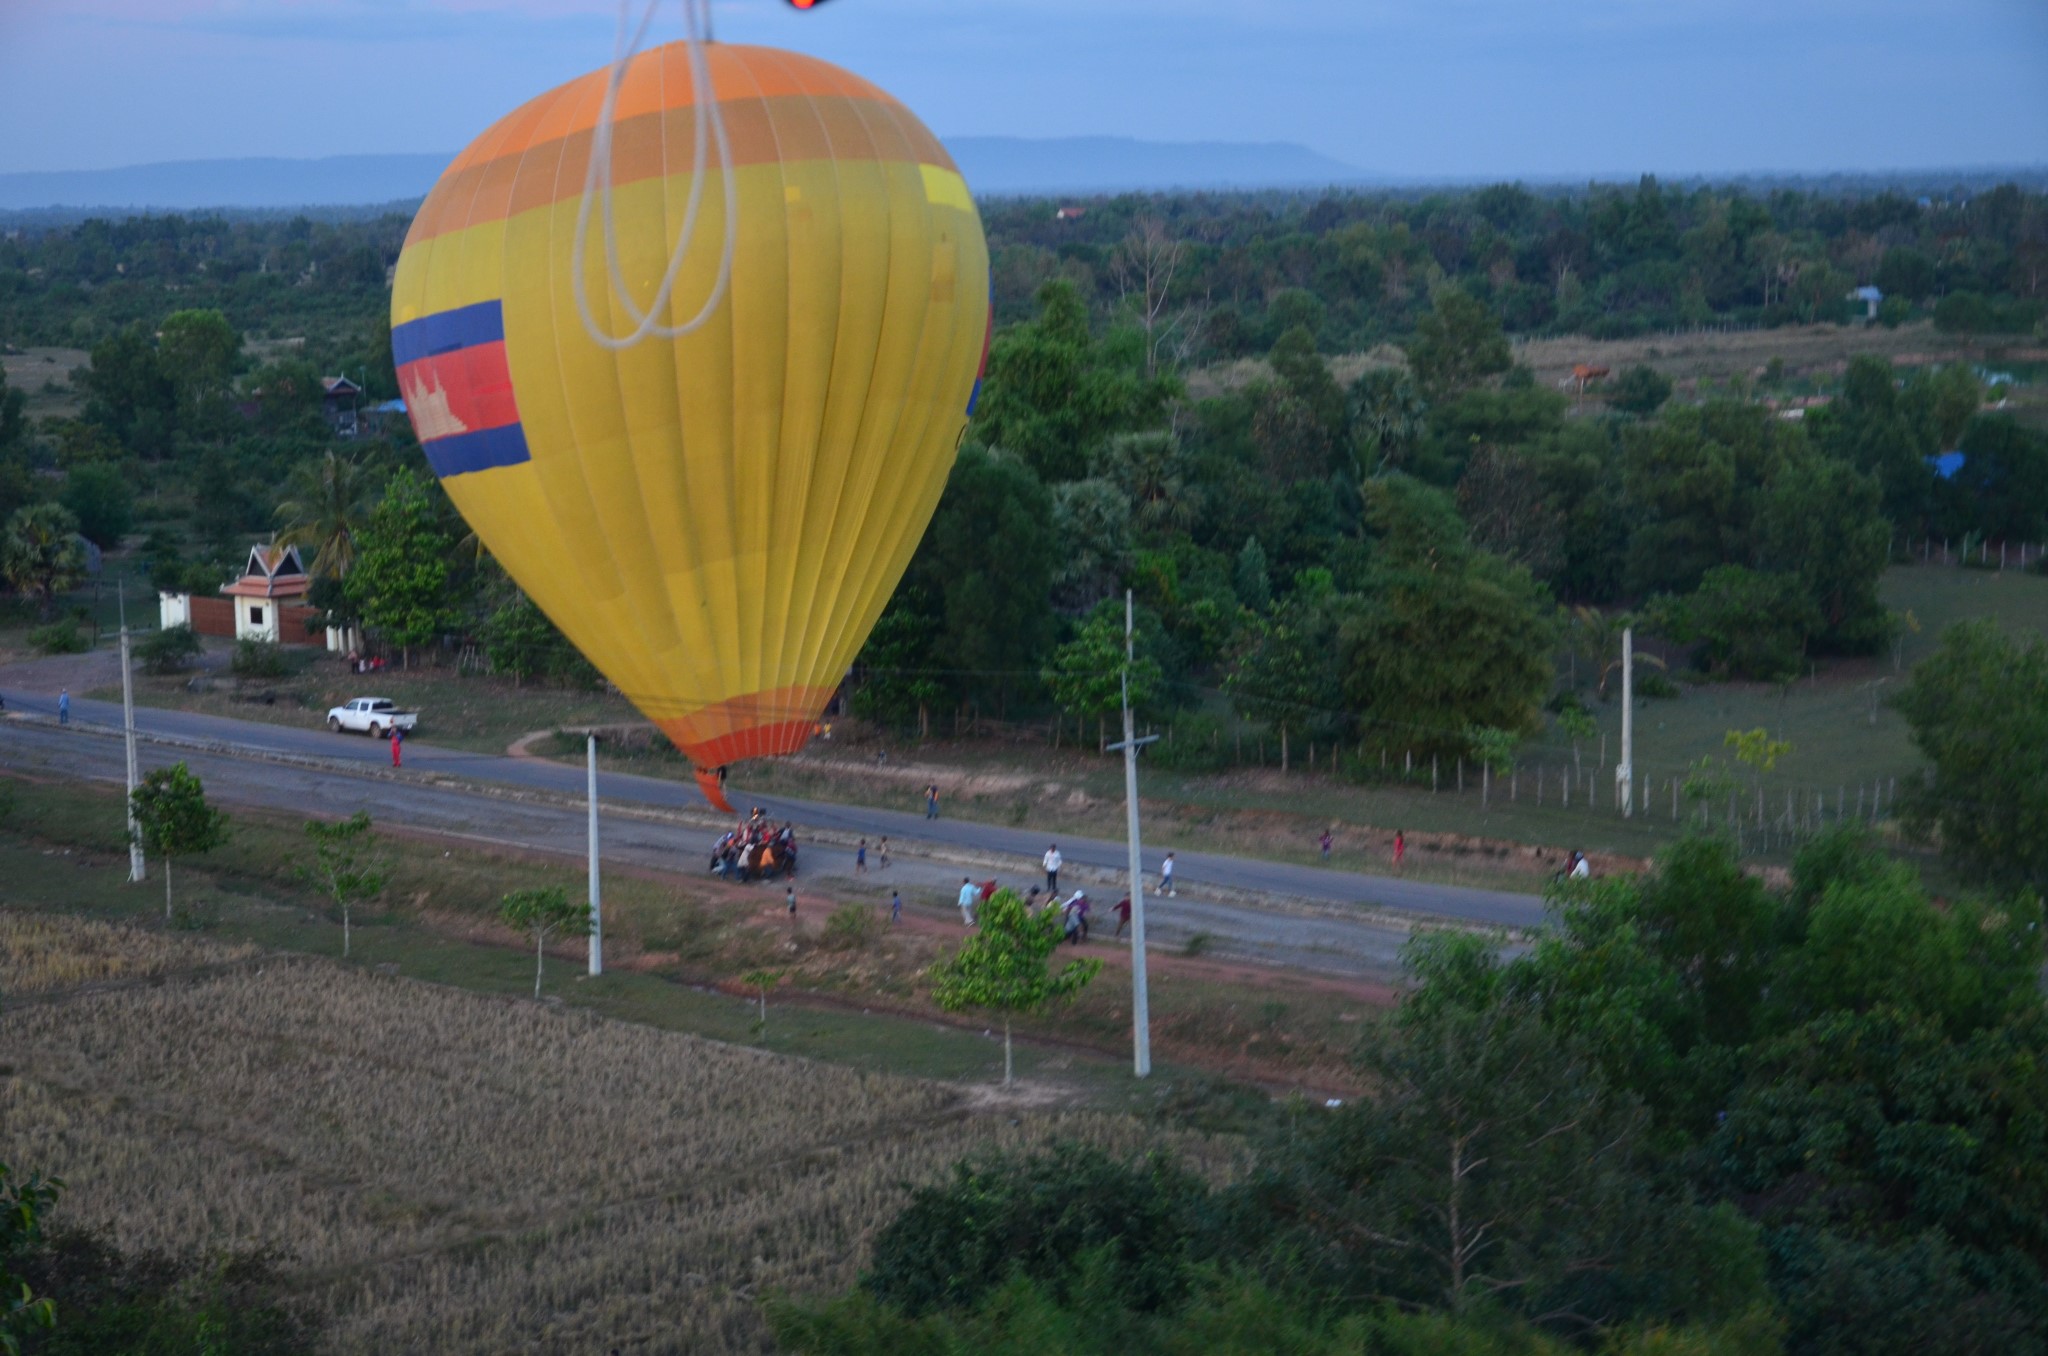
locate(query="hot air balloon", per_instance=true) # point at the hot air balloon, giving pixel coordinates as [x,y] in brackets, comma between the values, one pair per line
[708,465]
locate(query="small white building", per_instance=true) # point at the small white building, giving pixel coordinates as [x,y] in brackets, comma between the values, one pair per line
[267,603]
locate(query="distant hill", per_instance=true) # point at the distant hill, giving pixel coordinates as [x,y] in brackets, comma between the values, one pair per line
[181,185]
[997,166]
[993,165]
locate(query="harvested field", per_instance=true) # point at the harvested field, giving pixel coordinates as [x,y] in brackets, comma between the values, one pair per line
[456,1173]
[41,954]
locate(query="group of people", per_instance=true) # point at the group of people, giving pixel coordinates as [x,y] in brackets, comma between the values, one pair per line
[860,856]
[1073,910]
[755,849]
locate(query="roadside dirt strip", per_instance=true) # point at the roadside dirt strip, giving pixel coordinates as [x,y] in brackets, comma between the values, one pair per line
[1267,913]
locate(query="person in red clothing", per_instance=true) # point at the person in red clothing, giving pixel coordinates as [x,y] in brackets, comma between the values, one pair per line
[1400,846]
[1123,915]
[397,736]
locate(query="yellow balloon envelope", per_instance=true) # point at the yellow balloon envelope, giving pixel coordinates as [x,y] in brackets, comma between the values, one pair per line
[714,520]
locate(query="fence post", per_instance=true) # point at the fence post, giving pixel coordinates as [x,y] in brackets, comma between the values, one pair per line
[1432,774]
[1461,774]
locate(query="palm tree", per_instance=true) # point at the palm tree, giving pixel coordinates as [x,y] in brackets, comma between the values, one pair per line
[40,554]
[326,502]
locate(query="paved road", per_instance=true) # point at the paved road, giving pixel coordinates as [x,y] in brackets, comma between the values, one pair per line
[1330,920]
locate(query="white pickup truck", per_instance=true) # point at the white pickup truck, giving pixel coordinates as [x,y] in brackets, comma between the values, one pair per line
[371,716]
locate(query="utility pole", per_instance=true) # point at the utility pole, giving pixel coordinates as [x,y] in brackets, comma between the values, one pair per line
[596,903]
[136,871]
[1141,1014]
[1625,770]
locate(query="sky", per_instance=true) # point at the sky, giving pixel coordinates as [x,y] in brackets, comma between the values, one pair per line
[1455,89]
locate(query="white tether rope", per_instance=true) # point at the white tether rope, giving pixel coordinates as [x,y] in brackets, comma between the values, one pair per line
[647,325]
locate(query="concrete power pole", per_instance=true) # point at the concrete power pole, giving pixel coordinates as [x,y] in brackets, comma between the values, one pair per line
[1141,1014]
[136,867]
[1625,770]
[596,901]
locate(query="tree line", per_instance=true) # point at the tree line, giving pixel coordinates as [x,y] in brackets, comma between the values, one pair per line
[1699,1115]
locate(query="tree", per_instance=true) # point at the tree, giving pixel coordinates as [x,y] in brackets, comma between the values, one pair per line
[40,554]
[400,579]
[1001,968]
[1086,676]
[989,559]
[98,496]
[325,507]
[128,393]
[1253,584]
[1978,710]
[341,868]
[1458,344]
[1441,637]
[541,912]
[174,820]
[1745,623]
[1386,417]
[1285,674]
[763,980]
[897,687]
[24,1202]
[1092,523]
[1053,393]
[1641,391]
[198,351]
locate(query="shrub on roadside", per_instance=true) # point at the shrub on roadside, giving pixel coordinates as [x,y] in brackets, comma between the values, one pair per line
[168,650]
[62,637]
[258,659]
[852,927]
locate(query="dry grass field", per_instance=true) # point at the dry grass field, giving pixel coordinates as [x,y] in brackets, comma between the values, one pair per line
[1690,358]
[40,954]
[451,1172]
[33,370]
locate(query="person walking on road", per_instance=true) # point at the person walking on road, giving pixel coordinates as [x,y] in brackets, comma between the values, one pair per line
[895,908]
[64,706]
[1400,847]
[1053,861]
[860,858]
[931,801]
[1326,845]
[1166,875]
[1123,916]
[397,737]
[968,894]
[792,901]
[882,855]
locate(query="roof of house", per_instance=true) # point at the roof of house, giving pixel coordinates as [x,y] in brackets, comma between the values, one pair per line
[272,572]
[339,386]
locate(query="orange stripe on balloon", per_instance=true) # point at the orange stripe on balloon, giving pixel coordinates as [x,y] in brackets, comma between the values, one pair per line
[660,80]
[759,131]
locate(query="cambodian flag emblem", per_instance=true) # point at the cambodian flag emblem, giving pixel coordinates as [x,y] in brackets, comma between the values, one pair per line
[458,389]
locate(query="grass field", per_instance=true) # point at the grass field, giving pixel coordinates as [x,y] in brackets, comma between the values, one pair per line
[32,371]
[451,1172]
[1699,361]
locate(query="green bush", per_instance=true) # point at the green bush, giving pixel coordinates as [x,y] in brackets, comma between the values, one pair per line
[169,650]
[852,927]
[258,659]
[1198,743]
[61,637]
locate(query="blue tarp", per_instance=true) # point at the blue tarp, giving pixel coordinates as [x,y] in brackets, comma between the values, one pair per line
[1947,464]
